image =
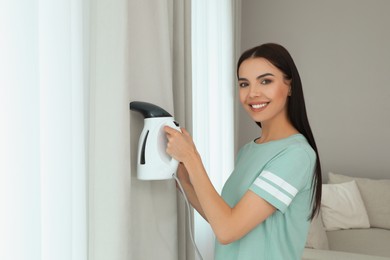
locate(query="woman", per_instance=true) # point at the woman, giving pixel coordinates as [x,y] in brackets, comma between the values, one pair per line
[275,188]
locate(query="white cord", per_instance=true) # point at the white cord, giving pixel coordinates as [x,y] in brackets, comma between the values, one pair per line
[189,217]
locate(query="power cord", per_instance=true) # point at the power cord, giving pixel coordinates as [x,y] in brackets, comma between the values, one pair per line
[189,216]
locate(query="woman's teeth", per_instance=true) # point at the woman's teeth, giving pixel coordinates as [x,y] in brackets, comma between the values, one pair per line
[257,106]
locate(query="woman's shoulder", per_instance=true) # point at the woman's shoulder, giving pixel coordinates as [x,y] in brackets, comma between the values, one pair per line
[293,148]
[299,144]
[292,145]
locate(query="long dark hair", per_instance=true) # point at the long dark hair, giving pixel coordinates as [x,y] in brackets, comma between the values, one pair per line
[296,109]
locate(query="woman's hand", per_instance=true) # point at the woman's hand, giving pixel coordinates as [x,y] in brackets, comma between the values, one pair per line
[180,145]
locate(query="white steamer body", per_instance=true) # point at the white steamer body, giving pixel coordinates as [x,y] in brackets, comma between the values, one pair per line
[153,163]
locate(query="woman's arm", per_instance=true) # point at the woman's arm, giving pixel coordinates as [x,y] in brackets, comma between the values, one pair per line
[228,224]
[182,175]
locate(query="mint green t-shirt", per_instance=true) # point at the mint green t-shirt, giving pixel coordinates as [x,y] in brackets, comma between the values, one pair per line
[280,172]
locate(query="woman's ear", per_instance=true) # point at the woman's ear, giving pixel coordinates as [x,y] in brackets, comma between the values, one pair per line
[288,83]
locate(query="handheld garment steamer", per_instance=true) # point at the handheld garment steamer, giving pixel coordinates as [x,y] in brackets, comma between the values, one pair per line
[153,163]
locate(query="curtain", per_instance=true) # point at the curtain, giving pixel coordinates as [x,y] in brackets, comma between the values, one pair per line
[43,164]
[161,68]
[213,53]
[109,136]
[182,96]
[139,51]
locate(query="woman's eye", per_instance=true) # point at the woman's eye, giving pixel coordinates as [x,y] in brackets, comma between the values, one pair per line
[243,84]
[266,81]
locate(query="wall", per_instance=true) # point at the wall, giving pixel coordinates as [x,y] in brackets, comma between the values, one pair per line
[342,51]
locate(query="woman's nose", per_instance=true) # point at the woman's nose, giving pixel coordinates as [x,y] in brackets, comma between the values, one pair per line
[254,91]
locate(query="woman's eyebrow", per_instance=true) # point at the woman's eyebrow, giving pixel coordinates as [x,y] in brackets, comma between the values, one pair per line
[258,77]
[264,75]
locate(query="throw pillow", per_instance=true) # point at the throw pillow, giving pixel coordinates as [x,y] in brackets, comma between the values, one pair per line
[342,207]
[317,238]
[375,195]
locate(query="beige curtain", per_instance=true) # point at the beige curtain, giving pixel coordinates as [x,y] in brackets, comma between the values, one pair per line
[182,96]
[109,143]
[161,75]
[140,51]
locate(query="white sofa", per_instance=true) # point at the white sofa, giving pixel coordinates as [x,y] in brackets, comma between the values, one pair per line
[354,222]
[318,254]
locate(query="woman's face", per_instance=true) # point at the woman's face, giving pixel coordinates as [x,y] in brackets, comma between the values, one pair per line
[263,90]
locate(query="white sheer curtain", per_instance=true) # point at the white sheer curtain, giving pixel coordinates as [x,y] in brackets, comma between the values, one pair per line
[213,55]
[43,151]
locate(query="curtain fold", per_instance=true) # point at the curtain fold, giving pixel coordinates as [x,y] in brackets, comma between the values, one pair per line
[109,166]
[137,53]
[62,130]
[19,132]
[160,69]
[153,203]
[213,98]
[182,96]
[43,163]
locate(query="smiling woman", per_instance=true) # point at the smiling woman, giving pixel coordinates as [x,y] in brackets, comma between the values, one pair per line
[275,189]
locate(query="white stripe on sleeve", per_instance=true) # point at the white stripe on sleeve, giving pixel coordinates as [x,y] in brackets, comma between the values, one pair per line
[273,191]
[279,182]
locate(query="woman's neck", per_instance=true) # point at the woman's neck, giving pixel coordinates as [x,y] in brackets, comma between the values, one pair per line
[272,132]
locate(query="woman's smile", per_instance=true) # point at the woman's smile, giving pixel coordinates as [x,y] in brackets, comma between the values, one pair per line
[258,107]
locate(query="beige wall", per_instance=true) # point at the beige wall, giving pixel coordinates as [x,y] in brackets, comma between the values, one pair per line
[342,50]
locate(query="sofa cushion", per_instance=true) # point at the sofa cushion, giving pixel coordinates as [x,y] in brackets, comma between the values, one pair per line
[371,241]
[375,195]
[342,207]
[317,238]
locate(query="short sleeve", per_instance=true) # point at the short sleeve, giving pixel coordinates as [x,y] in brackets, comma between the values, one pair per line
[284,176]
